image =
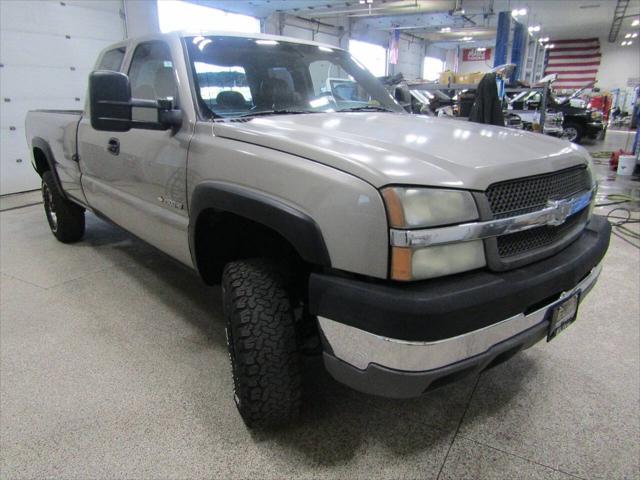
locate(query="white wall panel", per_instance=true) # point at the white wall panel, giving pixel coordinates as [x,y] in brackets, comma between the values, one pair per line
[297,32]
[47,17]
[328,39]
[47,49]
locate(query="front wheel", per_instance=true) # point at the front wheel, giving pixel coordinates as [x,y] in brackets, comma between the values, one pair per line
[261,338]
[572,132]
[66,219]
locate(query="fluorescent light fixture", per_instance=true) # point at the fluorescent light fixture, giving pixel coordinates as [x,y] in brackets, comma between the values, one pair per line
[325,49]
[534,28]
[445,29]
[551,46]
[628,35]
[467,39]
[635,35]
[635,23]
[624,44]
[518,12]
[266,42]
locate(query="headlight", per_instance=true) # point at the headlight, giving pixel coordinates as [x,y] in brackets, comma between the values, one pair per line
[414,208]
[428,207]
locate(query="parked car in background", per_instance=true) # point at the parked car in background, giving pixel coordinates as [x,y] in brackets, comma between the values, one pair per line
[578,122]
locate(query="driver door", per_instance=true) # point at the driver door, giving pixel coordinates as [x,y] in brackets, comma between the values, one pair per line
[138,178]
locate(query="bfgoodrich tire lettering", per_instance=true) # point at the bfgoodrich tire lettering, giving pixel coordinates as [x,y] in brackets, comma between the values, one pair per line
[66,219]
[262,343]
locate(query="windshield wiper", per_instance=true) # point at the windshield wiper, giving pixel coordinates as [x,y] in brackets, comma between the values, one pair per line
[365,108]
[277,112]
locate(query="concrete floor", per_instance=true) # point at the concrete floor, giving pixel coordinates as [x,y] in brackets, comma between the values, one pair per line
[113,365]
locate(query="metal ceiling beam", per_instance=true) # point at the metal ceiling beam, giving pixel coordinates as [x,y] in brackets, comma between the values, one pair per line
[618,17]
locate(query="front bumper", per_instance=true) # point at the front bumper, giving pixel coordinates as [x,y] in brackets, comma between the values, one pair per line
[399,340]
[596,130]
[553,130]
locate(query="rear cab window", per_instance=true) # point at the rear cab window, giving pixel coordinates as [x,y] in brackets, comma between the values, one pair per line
[112,59]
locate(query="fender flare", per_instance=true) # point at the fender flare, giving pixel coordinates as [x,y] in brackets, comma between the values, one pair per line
[298,228]
[42,144]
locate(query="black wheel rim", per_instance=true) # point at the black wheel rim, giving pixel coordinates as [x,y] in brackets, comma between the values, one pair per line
[50,208]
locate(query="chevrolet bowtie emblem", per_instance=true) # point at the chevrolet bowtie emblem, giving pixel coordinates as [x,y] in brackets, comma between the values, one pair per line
[562,210]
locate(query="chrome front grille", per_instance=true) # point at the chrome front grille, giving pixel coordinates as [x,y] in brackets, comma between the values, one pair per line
[518,243]
[529,194]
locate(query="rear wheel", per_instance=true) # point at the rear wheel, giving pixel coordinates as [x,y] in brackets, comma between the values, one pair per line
[572,132]
[261,337]
[66,219]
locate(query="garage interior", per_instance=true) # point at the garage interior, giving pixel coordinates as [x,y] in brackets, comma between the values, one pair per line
[113,357]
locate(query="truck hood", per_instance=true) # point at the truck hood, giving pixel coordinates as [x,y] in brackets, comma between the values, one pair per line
[396,148]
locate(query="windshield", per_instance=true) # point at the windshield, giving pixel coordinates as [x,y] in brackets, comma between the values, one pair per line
[236,76]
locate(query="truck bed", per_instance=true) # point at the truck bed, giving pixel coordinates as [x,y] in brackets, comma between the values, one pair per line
[51,136]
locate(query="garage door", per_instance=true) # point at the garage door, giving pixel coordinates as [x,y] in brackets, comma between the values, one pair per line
[47,49]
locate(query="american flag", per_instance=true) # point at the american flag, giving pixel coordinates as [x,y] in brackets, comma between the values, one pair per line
[575,61]
[394,47]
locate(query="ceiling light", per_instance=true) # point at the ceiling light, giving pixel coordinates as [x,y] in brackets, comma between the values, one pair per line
[369,2]
[628,35]
[624,44]
[534,28]
[635,35]
[204,43]
[518,12]
[467,39]
[551,46]
[629,43]
[635,23]
[445,29]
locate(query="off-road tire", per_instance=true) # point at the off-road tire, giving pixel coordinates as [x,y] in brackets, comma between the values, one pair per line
[261,338]
[66,219]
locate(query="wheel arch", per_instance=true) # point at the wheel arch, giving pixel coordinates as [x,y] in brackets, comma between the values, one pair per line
[238,216]
[43,160]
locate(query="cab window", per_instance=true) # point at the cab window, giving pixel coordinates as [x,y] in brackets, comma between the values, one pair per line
[152,77]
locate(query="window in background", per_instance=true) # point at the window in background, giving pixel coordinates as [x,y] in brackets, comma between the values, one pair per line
[372,56]
[432,68]
[178,15]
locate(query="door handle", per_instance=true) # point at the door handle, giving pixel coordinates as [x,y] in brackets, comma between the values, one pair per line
[114,146]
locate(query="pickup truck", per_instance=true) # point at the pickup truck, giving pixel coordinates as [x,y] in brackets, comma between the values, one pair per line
[407,251]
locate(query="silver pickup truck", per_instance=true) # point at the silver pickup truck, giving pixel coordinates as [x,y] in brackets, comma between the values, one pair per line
[408,251]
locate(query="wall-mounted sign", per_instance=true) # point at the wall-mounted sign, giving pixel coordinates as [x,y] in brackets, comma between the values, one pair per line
[476,54]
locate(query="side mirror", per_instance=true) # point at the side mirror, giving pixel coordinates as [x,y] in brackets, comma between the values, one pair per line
[110,101]
[111,105]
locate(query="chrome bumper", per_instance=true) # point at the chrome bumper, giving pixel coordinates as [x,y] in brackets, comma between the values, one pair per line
[359,348]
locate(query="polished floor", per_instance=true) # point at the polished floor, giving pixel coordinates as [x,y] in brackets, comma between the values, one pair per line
[113,365]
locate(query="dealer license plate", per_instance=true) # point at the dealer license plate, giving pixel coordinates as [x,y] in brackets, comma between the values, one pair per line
[563,315]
